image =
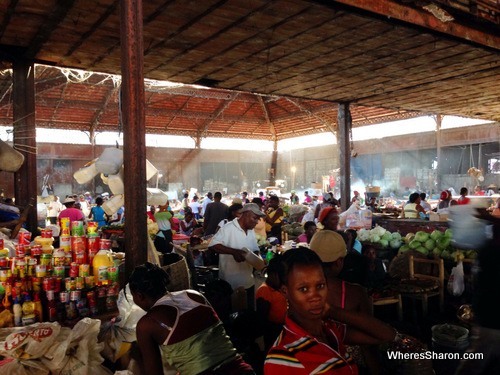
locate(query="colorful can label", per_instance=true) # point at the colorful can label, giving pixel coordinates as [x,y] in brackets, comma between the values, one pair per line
[46,259]
[73,269]
[49,283]
[36,283]
[102,273]
[46,233]
[84,270]
[64,226]
[24,238]
[36,250]
[5,274]
[113,274]
[77,228]
[41,270]
[59,271]
[105,244]
[65,243]
[20,250]
[80,284]
[70,284]
[4,262]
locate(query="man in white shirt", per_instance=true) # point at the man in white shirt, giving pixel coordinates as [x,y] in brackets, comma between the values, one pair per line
[53,210]
[208,199]
[229,242]
[195,207]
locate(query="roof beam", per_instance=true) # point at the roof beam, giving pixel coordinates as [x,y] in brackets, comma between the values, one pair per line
[301,106]
[268,119]
[393,9]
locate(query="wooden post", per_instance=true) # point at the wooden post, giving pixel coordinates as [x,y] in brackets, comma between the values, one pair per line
[274,164]
[344,125]
[439,171]
[25,183]
[134,134]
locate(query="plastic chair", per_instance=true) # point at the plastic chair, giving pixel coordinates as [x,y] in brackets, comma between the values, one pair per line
[422,291]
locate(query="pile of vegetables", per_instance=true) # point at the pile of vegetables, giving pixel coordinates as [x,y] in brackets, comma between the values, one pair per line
[293,229]
[380,237]
[435,245]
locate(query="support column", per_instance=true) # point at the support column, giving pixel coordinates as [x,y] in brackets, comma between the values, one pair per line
[439,170]
[344,126]
[25,183]
[134,134]
[274,164]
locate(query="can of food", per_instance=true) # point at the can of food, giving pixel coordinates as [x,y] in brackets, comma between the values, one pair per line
[21,267]
[80,256]
[73,269]
[101,292]
[24,238]
[64,297]
[59,271]
[68,258]
[41,270]
[4,262]
[77,228]
[64,227]
[113,274]
[78,244]
[46,259]
[49,283]
[2,244]
[89,282]
[58,258]
[84,270]
[20,250]
[36,283]
[36,251]
[70,284]
[93,243]
[92,228]
[65,243]
[46,233]
[102,274]
[80,283]
[75,295]
[5,274]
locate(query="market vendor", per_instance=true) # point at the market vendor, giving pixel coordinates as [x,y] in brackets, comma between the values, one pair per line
[413,209]
[274,217]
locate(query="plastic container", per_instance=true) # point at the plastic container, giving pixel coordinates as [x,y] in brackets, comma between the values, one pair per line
[112,205]
[253,259]
[115,183]
[110,161]
[100,264]
[156,197]
[86,174]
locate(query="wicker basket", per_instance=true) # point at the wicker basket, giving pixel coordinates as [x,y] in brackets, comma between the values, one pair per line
[176,267]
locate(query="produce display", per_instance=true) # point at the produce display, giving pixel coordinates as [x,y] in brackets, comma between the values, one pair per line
[433,245]
[76,280]
[380,237]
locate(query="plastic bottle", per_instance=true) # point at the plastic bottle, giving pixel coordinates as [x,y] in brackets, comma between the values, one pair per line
[38,308]
[51,306]
[28,310]
[102,260]
[18,313]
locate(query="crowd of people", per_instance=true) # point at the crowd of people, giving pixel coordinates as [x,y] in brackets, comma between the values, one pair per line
[82,207]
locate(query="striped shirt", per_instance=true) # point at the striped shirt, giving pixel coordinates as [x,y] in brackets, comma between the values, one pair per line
[297,352]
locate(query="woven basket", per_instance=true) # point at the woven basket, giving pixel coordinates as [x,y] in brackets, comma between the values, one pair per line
[178,271]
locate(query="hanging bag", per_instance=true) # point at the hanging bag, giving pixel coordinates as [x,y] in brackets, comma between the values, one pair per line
[456,283]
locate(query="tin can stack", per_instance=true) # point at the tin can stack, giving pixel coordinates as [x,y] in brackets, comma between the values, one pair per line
[60,282]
